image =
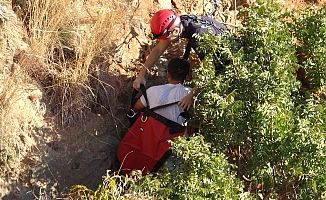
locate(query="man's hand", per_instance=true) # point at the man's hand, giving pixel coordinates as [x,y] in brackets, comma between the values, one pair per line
[138,81]
[186,102]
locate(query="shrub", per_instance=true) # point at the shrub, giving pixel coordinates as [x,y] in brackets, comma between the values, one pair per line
[197,172]
[255,112]
[310,32]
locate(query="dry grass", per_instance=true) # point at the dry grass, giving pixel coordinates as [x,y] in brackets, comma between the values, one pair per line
[71,45]
[21,112]
[70,48]
[7,127]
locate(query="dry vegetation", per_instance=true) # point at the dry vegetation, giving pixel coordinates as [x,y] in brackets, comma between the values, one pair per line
[55,58]
[68,43]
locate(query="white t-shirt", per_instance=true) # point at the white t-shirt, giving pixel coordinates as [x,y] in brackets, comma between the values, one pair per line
[165,94]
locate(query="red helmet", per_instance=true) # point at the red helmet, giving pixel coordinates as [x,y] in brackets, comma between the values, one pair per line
[163,22]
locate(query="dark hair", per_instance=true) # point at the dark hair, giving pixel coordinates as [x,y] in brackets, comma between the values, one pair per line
[178,69]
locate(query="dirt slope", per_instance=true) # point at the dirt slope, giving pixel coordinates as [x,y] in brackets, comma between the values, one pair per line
[54,158]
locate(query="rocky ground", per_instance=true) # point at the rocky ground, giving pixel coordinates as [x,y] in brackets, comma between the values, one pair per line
[60,157]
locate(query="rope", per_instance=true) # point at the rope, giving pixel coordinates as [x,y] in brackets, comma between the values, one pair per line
[211,6]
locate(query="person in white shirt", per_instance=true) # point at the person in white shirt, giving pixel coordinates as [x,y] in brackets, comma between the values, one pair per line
[172,92]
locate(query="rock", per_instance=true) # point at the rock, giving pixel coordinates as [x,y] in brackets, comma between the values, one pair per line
[165,4]
[131,51]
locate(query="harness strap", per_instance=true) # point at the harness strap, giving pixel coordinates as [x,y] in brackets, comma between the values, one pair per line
[161,161]
[165,105]
[175,127]
[133,97]
[143,91]
[135,92]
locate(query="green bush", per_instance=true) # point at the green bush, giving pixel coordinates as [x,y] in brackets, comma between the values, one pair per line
[255,111]
[310,32]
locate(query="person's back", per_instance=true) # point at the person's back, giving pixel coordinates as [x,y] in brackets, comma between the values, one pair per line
[172,92]
[194,24]
[167,94]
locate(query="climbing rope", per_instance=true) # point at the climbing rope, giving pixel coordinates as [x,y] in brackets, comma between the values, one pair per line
[212,6]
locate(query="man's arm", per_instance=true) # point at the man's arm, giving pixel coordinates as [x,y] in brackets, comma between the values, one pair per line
[138,106]
[187,101]
[150,61]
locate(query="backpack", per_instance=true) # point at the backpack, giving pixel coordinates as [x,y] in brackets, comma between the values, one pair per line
[145,146]
[195,24]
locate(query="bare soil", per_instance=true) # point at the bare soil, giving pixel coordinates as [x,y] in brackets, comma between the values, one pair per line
[58,157]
